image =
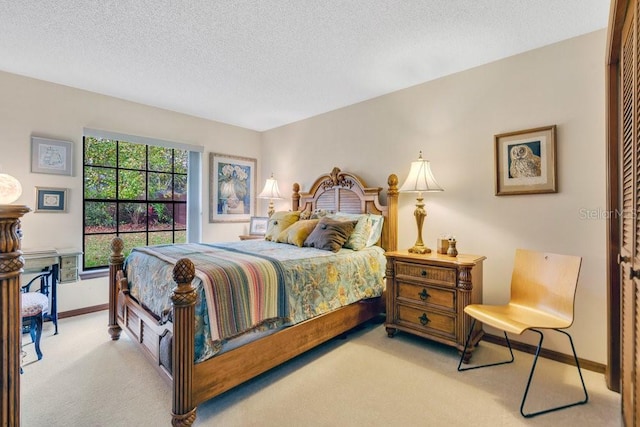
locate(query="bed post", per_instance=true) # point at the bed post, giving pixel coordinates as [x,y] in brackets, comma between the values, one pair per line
[116,261]
[183,298]
[295,197]
[392,205]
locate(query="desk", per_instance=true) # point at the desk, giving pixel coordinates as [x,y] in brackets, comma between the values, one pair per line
[51,266]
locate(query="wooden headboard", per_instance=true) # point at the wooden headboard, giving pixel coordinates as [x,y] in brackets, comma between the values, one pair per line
[339,191]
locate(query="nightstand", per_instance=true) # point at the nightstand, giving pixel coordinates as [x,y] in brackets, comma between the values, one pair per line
[251,236]
[426,296]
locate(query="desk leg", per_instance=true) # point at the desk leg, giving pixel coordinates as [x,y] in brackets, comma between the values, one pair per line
[54,297]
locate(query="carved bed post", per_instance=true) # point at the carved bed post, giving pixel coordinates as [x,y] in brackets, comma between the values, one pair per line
[11,263]
[116,262]
[183,298]
[392,204]
[295,197]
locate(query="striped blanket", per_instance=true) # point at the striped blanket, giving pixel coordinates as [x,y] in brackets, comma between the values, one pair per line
[242,290]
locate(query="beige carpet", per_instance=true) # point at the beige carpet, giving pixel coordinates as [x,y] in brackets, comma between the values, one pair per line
[368,379]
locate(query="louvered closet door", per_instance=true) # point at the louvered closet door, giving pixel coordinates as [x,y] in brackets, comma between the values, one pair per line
[630,225]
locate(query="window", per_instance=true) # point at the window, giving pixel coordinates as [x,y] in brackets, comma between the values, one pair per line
[133,190]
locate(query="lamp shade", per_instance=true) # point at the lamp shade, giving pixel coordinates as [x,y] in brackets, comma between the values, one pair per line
[420,178]
[270,190]
[10,189]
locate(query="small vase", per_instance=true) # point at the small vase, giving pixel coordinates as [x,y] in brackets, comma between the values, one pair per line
[452,251]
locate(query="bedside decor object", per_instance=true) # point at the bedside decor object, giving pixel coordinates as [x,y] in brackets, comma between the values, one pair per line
[420,180]
[526,162]
[271,192]
[51,156]
[50,199]
[452,250]
[10,189]
[232,188]
[258,225]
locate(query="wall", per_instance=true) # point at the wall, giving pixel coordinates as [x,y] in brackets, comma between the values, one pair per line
[33,107]
[453,120]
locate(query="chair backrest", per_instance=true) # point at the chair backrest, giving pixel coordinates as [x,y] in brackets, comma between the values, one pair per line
[545,281]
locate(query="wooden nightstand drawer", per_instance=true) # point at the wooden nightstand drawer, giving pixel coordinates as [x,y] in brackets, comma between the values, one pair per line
[426,295]
[426,273]
[428,320]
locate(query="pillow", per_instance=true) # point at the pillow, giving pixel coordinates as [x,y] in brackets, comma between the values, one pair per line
[278,222]
[297,232]
[330,234]
[320,213]
[367,231]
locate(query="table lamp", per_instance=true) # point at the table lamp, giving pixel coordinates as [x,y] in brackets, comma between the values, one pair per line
[10,189]
[420,180]
[271,192]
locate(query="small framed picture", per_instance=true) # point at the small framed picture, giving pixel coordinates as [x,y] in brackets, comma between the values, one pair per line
[258,225]
[51,199]
[51,156]
[526,162]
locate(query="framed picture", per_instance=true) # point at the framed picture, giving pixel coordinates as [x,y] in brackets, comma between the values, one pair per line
[258,225]
[232,188]
[526,162]
[51,156]
[51,199]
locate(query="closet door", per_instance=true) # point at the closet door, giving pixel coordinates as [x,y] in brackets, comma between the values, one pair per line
[630,202]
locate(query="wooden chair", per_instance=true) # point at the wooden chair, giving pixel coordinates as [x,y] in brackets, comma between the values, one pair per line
[543,287]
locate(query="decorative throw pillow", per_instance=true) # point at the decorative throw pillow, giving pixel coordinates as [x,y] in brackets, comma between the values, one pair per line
[367,231]
[305,214]
[330,234]
[278,222]
[297,232]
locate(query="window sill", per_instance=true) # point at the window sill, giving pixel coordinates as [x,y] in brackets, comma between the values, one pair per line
[94,274]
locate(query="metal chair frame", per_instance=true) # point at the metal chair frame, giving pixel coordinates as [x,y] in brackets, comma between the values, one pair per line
[533,368]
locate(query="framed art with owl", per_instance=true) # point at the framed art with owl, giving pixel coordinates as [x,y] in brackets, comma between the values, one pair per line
[526,162]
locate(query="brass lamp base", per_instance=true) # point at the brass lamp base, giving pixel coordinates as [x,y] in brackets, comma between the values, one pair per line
[420,214]
[419,250]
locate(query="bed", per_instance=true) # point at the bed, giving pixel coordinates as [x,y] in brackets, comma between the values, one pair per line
[170,339]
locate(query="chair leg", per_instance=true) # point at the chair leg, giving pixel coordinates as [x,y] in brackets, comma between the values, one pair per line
[36,326]
[533,367]
[466,345]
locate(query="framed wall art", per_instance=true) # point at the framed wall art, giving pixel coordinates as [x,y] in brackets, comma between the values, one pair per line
[526,162]
[51,156]
[232,188]
[51,199]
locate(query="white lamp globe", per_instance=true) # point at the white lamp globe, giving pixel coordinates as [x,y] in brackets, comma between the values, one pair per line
[10,189]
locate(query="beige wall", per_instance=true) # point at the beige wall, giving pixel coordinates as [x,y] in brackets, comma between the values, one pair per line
[32,107]
[453,121]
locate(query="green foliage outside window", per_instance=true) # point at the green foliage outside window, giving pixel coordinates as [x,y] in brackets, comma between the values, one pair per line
[135,191]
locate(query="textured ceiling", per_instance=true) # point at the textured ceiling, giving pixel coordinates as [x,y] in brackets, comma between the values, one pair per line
[261,64]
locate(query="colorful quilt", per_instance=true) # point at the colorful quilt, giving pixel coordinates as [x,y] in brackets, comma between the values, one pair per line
[254,285]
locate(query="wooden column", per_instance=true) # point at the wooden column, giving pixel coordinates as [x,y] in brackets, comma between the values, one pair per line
[184,300]
[392,203]
[11,264]
[116,261]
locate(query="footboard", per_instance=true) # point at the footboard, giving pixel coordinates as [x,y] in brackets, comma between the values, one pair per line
[169,346]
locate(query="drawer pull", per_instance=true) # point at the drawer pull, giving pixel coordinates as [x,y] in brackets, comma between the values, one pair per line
[423,295]
[423,273]
[424,319]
